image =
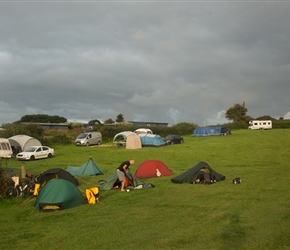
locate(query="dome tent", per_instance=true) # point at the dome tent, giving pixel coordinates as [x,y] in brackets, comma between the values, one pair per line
[55,173]
[20,143]
[59,194]
[129,139]
[152,168]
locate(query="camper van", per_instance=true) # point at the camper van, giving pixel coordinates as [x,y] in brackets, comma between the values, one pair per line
[88,139]
[256,124]
[5,148]
[143,131]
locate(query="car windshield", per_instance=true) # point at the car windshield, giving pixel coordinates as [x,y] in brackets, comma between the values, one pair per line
[82,136]
[31,149]
[169,137]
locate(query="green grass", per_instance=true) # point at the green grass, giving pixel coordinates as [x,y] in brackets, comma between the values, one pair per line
[252,215]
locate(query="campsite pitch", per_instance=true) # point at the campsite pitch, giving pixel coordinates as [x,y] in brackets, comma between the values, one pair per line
[170,215]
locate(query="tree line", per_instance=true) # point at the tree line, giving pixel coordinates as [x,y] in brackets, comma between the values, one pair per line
[237,116]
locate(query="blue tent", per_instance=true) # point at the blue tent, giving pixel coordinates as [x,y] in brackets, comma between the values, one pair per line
[210,131]
[151,140]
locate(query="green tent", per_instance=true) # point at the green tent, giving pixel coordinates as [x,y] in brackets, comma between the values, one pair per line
[190,175]
[89,168]
[112,182]
[58,194]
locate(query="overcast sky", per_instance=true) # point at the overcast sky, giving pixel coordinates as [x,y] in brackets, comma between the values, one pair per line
[154,61]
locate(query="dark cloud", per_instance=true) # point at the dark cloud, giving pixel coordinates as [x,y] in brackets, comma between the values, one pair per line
[167,61]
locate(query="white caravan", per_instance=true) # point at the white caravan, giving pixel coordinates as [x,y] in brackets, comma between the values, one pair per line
[143,131]
[256,124]
[5,148]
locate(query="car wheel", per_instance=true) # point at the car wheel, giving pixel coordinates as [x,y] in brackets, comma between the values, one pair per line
[87,144]
[32,158]
[172,143]
[49,155]
[181,141]
[99,143]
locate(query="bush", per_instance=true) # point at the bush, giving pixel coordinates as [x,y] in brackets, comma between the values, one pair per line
[5,178]
[32,130]
[58,137]
[184,128]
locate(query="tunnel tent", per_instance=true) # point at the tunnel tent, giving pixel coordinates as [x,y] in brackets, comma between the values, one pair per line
[190,175]
[148,140]
[211,131]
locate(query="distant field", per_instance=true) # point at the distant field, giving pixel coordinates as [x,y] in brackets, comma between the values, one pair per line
[252,215]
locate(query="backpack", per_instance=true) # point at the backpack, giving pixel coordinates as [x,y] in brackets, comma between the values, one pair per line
[237,181]
[92,195]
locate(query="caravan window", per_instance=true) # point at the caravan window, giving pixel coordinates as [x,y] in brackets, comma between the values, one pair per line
[5,146]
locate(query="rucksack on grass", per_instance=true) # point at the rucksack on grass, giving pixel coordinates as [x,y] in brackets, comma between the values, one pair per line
[92,195]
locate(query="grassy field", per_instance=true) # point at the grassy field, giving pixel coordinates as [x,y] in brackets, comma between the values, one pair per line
[252,215]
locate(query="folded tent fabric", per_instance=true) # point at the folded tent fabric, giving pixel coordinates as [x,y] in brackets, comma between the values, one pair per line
[112,182]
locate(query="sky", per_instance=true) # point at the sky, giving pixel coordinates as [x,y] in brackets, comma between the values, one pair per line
[152,61]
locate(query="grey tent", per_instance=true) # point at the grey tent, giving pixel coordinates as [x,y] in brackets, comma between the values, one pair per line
[190,175]
[20,143]
[88,169]
[133,141]
[121,138]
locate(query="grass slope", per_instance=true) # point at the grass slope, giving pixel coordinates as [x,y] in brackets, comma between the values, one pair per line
[252,215]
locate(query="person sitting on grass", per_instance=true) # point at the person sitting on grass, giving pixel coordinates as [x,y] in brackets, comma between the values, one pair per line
[122,170]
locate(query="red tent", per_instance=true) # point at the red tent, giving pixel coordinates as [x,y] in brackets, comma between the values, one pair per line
[152,168]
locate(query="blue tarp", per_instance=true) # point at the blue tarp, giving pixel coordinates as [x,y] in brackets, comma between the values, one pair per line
[151,140]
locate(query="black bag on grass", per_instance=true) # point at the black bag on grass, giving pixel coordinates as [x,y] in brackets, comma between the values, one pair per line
[237,181]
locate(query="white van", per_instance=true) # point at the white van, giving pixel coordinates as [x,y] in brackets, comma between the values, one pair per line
[256,124]
[88,139]
[5,148]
